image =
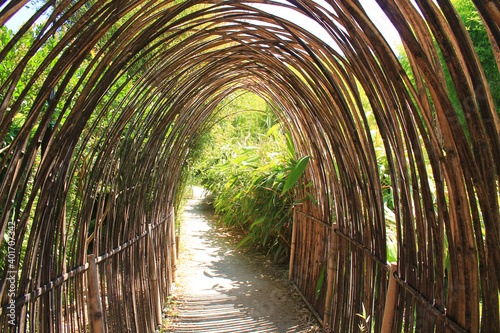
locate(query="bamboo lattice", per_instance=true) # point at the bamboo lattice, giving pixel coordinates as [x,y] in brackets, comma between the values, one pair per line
[112,112]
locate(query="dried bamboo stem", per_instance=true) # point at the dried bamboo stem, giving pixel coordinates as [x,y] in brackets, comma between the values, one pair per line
[390,301]
[94,298]
[293,244]
[155,292]
[332,272]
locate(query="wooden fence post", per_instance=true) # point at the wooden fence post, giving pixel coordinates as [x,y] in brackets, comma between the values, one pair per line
[331,265]
[390,301]
[155,291]
[292,247]
[96,321]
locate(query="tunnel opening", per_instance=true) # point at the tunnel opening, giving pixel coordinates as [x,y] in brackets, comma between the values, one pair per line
[244,161]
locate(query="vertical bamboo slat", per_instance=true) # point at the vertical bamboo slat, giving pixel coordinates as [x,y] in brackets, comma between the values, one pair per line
[153,276]
[95,314]
[173,240]
[293,243]
[332,272]
[390,302]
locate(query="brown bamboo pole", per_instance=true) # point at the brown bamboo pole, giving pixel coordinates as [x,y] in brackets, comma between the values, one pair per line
[332,272]
[155,292]
[11,10]
[390,301]
[94,298]
[134,300]
[293,245]
[173,241]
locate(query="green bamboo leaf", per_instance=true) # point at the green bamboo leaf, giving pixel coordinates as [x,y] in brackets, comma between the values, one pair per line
[251,159]
[312,199]
[319,285]
[257,222]
[273,130]
[240,159]
[244,240]
[289,144]
[392,252]
[295,173]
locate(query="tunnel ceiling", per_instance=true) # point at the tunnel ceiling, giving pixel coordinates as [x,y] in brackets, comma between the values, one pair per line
[128,87]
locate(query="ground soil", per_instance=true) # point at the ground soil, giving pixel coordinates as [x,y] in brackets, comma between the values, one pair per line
[222,288]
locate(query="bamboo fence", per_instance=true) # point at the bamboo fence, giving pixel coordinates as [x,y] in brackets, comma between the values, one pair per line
[97,133]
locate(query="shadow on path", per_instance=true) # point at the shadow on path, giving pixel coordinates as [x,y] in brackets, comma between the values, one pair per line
[222,290]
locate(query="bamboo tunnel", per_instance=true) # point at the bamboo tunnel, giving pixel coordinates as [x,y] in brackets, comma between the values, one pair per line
[103,101]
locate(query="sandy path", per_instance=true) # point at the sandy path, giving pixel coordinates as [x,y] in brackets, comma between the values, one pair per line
[221,289]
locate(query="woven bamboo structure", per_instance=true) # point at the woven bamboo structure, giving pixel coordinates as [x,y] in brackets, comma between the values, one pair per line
[119,102]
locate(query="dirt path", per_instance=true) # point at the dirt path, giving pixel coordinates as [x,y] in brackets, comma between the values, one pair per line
[221,289]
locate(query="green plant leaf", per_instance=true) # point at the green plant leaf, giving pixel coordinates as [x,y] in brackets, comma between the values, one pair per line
[295,173]
[392,252]
[312,199]
[273,130]
[289,144]
[319,285]
[243,241]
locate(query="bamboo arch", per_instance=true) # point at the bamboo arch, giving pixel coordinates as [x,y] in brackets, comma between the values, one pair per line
[137,81]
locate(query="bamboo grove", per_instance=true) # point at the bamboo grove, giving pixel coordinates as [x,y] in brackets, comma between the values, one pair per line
[106,99]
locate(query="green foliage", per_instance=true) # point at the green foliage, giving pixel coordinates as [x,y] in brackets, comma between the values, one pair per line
[232,129]
[477,31]
[253,176]
[365,325]
[295,173]
[100,124]
[254,198]
[479,37]
[384,175]
[7,66]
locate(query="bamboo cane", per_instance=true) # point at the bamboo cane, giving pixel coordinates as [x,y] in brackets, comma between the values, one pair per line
[294,238]
[94,298]
[155,292]
[173,240]
[332,264]
[390,301]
